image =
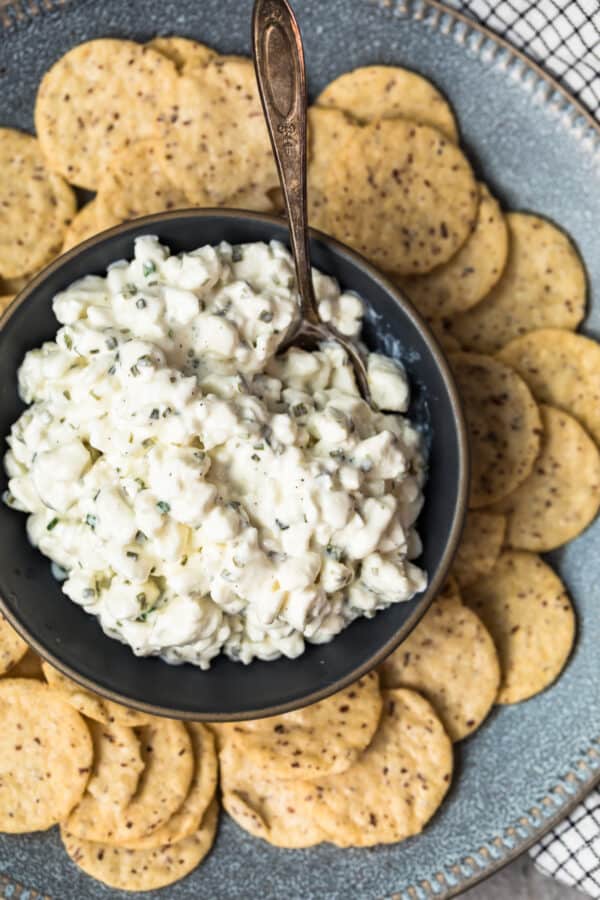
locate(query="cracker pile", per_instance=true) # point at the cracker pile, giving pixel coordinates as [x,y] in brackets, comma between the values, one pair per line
[134,795]
[174,124]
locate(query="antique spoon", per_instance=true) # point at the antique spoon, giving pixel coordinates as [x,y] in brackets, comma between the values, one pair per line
[280,72]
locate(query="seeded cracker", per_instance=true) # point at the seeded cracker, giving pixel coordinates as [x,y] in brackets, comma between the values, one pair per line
[215,143]
[328,130]
[504,425]
[163,786]
[95,100]
[480,546]
[465,279]
[279,812]
[45,756]
[451,660]
[189,816]
[143,870]
[561,496]
[37,206]
[402,195]
[115,774]
[12,646]
[389,92]
[135,185]
[561,369]
[86,224]
[389,793]
[29,666]
[543,286]
[90,704]
[185,53]
[12,286]
[529,615]
[320,739]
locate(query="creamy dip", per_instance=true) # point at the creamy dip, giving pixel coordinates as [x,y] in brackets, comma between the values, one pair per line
[196,492]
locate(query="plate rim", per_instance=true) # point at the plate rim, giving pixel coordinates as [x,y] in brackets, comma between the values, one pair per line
[584,771]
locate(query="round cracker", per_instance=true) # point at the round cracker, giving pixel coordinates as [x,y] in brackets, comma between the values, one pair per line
[12,646]
[320,739]
[389,92]
[95,100]
[525,606]
[328,129]
[185,53]
[135,185]
[45,756]
[215,142]
[561,496]
[143,870]
[480,546]
[397,784]
[451,660]
[92,705]
[115,774]
[542,286]
[37,206]
[504,425]
[188,817]
[389,793]
[279,812]
[163,786]
[471,273]
[86,224]
[402,195]
[446,341]
[14,286]
[561,369]
[29,666]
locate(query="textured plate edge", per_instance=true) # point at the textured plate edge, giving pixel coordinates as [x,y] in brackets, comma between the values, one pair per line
[584,772]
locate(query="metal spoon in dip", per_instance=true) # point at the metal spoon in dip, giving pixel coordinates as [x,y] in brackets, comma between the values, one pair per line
[280,72]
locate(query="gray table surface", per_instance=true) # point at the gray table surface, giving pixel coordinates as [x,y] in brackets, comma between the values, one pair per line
[521,881]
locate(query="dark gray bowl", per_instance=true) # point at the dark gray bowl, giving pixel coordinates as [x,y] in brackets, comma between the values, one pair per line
[72,639]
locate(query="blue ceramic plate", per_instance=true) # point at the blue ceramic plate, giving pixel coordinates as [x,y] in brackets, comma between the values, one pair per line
[538,151]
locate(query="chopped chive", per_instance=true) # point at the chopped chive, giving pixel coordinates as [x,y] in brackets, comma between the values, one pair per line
[148,268]
[111,343]
[91,520]
[141,598]
[134,371]
[255,457]
[163,506]
[132,555]
[281,525]
[130,290]
[299,409]
[266,316]
[52,524]
[68,342]
[140,537]
[154,414]
[237,254]
[141,303]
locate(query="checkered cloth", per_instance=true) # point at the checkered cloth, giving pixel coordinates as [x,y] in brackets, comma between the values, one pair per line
[563,36]
[571,851]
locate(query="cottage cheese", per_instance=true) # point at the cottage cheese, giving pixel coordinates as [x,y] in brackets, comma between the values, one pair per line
[196,492]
